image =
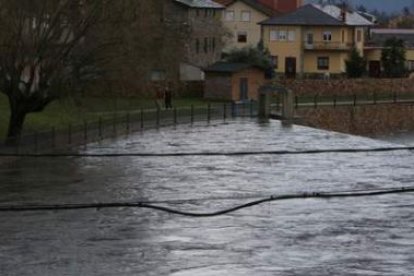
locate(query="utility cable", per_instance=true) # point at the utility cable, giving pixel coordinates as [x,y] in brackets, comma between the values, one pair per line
[189,154]
[150,205]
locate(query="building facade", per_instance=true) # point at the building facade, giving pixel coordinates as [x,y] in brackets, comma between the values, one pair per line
[240,20]
[314,40]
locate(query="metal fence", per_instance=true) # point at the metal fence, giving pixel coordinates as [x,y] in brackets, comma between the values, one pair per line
[124,123]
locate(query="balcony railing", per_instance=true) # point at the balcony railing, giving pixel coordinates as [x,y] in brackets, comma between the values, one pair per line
[328,45]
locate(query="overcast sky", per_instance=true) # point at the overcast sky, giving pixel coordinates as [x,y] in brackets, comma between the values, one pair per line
[383,5]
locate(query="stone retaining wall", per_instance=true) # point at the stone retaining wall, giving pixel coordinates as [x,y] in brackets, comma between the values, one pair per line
[369,120]
[347,87]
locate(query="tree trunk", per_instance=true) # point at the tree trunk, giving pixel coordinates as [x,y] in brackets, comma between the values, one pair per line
[17,117]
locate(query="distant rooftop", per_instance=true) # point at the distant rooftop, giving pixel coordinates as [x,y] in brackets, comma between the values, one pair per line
[352,18]
[205,4]
[379,36]
[316,15]
[305,15]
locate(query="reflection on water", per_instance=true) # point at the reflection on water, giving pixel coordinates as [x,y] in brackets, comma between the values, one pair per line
[370,236]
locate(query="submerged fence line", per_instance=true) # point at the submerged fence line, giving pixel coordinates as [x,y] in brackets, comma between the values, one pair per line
[125,123]
[156,207]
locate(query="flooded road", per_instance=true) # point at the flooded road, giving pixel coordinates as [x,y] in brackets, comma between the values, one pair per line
[359,236]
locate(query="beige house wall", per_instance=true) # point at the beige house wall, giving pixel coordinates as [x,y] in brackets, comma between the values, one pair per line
[284,49]
[252,28]
[255,80]
[337,49]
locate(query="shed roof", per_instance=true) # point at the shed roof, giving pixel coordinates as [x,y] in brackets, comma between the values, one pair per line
[379,36]
[352,18]
[228,67]
[205,4]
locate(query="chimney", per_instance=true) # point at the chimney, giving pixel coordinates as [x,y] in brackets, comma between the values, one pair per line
[344,11]
[283,6]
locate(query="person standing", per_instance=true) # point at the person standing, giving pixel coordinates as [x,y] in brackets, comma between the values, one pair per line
[168,96]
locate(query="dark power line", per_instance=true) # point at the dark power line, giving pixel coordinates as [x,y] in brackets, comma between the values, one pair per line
[184,154]
[149,205]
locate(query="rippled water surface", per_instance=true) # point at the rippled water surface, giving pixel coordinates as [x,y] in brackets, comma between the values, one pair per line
[361,236]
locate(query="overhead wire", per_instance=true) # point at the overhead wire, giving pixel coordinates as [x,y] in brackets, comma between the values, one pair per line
[153,206]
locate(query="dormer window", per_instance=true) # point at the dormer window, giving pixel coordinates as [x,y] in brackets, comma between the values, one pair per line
[229,15]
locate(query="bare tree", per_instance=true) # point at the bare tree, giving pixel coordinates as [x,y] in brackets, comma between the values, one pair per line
[42,52]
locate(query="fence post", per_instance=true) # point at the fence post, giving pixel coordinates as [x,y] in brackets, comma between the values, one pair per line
[85,132]
[100,128]
[334,101]
[192,114]
[296,102]
[395,97]
[127,126]
[114,118]
[224,112]
[233,109]
[70,134]
[53,132]
[142,119]
[36,138]
[175,115]
[208,112]
[158,115]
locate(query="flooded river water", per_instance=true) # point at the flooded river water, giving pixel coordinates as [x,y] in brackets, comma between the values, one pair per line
[354,236]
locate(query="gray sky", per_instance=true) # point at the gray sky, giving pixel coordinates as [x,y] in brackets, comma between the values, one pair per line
[382,5]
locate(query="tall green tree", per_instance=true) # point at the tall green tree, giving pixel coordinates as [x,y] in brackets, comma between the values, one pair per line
[257,56]
[393,58]
[355,65]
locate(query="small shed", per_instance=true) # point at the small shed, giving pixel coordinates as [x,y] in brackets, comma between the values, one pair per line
[233,81]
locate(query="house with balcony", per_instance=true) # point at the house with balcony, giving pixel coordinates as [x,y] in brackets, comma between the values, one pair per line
[314,40]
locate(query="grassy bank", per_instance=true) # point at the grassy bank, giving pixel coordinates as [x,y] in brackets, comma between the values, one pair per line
[74,111]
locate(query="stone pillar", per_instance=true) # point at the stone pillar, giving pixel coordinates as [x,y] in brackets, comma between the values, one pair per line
[264,102]
[288,105]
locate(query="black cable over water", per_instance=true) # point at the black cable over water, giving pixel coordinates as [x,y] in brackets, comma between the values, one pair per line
[184,154]
[149,205]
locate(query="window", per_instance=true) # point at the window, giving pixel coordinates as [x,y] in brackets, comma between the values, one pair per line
[197,45]
[229,16]
[309,38]
[327,36]
[359,36]
[282,35]
[275,62]
[273,35]
[214,44]
[206,45]
[158,75]
[245,16]
[323,63]
[291,36]
[410,65]
[242,37]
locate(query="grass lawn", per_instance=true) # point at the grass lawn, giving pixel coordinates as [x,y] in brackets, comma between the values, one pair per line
[69,111]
